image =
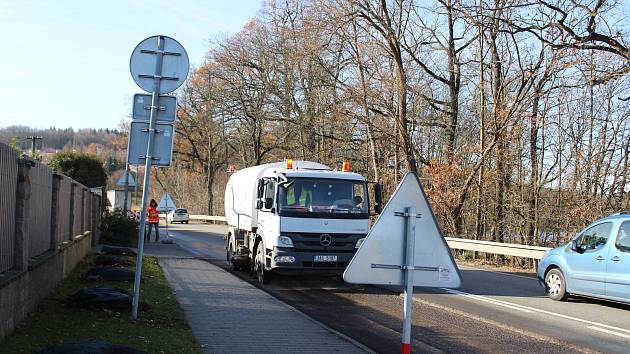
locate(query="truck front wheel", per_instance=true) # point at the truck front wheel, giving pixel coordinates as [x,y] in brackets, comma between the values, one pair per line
[259,265]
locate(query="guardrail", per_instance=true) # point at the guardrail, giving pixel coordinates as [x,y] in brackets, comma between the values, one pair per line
[507,249]
[208,218]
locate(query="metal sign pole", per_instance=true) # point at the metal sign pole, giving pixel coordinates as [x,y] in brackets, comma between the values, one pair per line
[126,186]
[147,173]
[408,268]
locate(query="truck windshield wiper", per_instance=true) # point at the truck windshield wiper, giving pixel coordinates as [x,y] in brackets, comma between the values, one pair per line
[285,183]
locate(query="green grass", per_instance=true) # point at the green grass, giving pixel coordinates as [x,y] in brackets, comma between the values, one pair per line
[161,329]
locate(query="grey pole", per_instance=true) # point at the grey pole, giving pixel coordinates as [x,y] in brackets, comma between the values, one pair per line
[126,186]
[410,238]
[147,173]
[135,191]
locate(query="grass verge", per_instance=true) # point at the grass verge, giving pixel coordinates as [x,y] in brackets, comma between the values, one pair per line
[161,329]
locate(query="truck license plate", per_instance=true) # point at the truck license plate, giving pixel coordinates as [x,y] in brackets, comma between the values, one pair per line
[325,258]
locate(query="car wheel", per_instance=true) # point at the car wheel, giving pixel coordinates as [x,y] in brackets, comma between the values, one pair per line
[172,222]
[261,273]
[186,222]
[556,285]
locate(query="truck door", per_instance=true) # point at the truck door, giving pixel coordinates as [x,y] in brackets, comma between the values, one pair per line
[618,267]
[267,219]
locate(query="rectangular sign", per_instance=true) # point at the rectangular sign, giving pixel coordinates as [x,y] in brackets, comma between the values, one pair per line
[166,112]
[139,140]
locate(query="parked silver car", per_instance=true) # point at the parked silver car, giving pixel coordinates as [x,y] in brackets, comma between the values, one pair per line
[596,263]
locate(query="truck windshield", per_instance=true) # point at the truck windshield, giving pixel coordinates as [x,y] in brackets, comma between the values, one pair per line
[323,198]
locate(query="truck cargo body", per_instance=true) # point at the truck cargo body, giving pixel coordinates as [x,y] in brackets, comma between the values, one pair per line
[304,219]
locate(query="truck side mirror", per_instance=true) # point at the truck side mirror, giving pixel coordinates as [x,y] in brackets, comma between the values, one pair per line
[261,188]
[378,198]
[268,203]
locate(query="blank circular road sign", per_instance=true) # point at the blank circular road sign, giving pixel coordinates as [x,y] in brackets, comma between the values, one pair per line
[175,64]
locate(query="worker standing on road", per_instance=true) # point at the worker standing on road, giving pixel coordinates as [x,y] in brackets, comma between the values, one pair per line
[153,221]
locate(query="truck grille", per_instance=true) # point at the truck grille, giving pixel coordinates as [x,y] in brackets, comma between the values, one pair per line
[324,264]
[339,243]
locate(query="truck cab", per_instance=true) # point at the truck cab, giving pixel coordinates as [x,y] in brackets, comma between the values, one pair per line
[305,218]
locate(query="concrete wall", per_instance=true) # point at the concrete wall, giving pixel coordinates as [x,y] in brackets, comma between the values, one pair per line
[47,225]
[22,291]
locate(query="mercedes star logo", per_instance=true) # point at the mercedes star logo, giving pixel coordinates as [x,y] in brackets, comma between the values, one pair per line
[325,240]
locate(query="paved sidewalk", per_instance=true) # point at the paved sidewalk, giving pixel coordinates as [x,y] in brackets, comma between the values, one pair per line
[170,250]
[228,315]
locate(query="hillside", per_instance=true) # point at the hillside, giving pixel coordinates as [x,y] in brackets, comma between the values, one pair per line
[59,139]
[109,145]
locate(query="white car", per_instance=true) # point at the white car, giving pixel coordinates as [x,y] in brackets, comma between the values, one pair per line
[177,215]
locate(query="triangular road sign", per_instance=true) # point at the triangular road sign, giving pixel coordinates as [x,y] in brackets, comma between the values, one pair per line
[380,258]
[121,180]
[166,203]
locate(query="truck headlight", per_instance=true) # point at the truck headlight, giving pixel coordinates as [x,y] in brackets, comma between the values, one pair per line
[284,259]
[360,242]
[285,241]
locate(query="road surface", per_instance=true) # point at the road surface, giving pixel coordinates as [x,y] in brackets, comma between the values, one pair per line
[492,311]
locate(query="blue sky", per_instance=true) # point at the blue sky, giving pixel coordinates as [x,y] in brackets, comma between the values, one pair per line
[65,63]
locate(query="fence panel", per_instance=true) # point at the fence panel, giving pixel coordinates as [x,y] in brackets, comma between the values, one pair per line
[64,212]
[77,212]
[40,209]
[8,188]
[87,210]
[95,217]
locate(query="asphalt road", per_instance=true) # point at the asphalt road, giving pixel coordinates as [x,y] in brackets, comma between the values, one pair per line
[492,311]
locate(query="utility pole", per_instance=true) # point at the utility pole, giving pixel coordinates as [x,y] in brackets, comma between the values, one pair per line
[33,138]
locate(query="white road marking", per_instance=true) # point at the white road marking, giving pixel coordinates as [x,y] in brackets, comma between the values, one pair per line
[609,332]
[487,299]
[532,309]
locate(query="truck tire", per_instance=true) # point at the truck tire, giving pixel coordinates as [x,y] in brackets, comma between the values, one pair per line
[264,277]
[229,255]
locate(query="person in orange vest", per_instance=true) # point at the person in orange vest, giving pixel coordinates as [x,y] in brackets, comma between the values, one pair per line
[153,219]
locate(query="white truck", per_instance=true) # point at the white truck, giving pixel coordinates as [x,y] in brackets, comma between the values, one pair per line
[295,217]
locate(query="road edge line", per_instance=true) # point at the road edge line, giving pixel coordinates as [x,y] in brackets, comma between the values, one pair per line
[533,309]
[501,325]
[604,330]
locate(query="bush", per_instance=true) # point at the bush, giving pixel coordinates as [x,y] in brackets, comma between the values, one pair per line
[86,169]
[468,256]
[119,229]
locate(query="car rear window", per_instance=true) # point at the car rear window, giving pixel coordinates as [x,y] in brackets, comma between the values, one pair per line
[181,211]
